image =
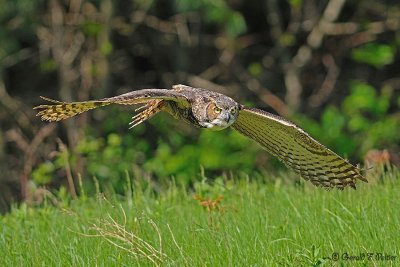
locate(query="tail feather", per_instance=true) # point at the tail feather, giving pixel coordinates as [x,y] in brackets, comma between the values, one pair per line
[63,110]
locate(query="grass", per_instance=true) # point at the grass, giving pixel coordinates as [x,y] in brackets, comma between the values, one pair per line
[226,223]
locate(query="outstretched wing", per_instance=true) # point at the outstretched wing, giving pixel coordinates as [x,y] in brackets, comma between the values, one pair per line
[296,149]
[64,110]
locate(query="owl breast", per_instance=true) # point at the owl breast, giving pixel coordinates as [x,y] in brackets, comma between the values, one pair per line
[185,114]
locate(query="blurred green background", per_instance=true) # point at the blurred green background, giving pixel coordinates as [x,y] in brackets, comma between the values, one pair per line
[330,66]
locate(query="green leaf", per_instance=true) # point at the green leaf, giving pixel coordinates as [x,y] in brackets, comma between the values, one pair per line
[333,121]
[106,48]
[362,98]
[255,69]
[43,174]
[48,65]
[358,123]
[236,24]
[377,55]
[295,3]
[91,28]
[217,12]
[114,139]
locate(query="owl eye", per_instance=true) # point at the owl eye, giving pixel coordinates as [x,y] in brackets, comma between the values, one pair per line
[217,110]
[233,111]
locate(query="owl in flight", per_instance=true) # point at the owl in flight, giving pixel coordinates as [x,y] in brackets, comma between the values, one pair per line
[207,109]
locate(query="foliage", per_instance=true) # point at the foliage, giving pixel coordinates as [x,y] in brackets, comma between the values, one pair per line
[218,12]
[18,22]
[253,225]
[338,66]
[374,54]
[362,122]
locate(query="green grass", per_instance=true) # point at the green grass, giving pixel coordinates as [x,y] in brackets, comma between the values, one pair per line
[256,224]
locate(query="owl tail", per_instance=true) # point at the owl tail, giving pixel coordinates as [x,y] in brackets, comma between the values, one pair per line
[62,110]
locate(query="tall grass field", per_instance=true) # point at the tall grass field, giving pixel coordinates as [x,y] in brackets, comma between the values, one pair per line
[226,222]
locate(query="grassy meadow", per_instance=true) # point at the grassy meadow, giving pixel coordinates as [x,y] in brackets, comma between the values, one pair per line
[226,222]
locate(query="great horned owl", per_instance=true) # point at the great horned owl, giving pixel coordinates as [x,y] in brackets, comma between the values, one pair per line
[215,111]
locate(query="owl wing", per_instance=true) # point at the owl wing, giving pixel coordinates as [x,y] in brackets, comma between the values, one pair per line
[64,110]
[296,149]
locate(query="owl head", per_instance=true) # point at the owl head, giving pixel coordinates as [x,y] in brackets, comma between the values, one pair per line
[221,113]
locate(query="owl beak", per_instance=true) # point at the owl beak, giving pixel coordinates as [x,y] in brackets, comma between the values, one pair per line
[228,117]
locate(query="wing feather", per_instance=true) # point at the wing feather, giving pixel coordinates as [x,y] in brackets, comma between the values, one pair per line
[64,110]
[296,149]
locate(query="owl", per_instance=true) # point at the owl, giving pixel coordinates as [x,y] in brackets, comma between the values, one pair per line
[207,109]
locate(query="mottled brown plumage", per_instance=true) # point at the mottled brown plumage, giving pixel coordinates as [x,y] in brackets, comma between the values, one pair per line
[207,109]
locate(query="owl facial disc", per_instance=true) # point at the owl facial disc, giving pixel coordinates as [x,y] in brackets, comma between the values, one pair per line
[223,120]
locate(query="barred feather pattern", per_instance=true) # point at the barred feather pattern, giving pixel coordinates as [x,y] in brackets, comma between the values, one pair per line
[297,150]
[62,110]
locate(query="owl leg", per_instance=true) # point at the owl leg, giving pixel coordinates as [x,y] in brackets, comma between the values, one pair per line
[148,110]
